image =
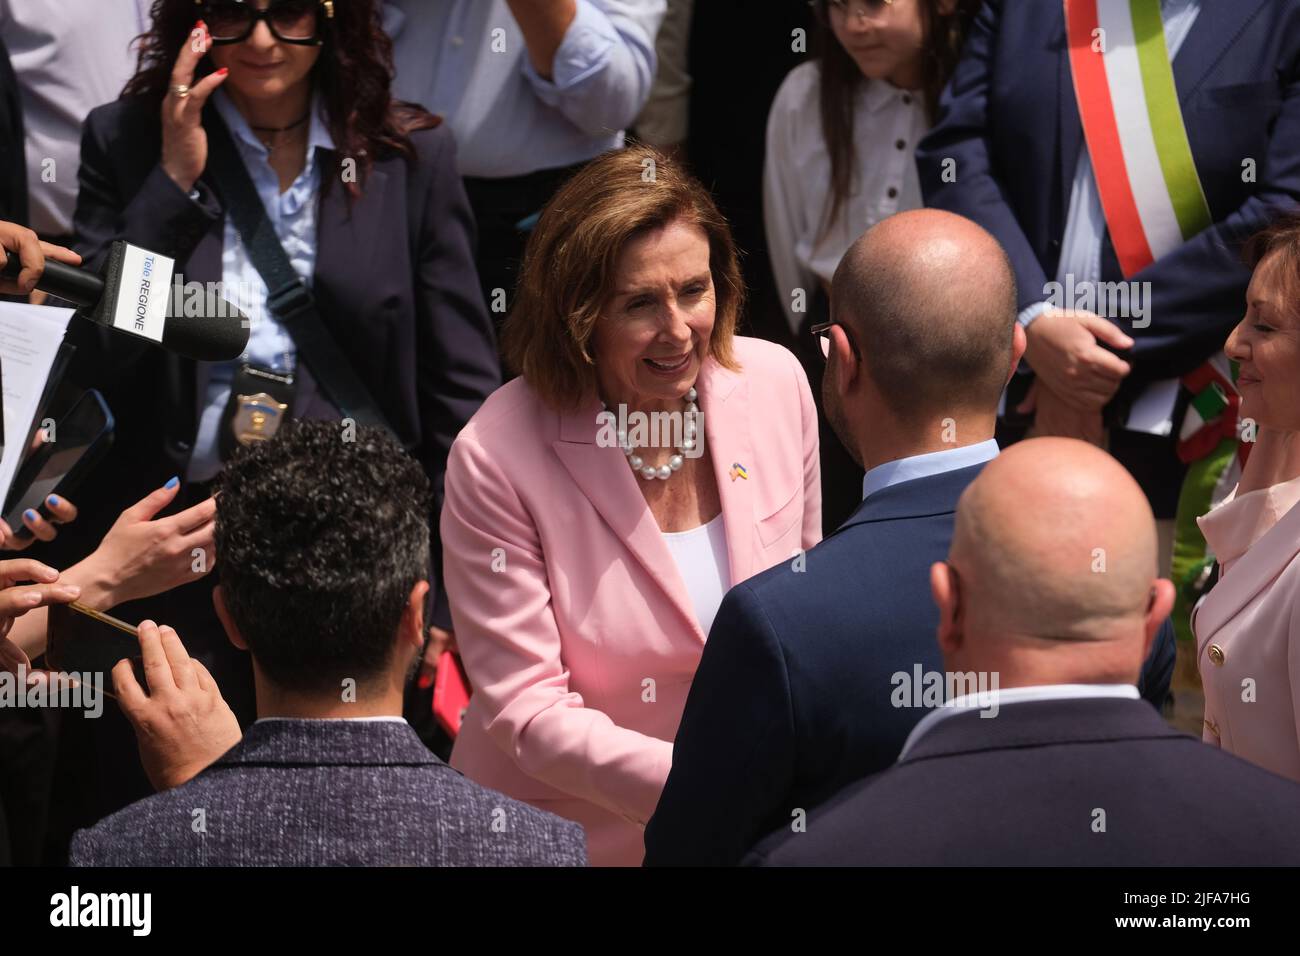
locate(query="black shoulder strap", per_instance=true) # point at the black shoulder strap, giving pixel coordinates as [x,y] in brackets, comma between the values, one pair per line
[289,299]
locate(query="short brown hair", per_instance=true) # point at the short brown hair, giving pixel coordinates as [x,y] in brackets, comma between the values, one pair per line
[567,276]
[1282,236]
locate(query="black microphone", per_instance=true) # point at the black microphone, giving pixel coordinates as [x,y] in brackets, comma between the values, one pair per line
[133,294]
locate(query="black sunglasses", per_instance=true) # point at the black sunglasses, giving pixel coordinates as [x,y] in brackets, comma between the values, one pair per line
[822,330]
[290,21]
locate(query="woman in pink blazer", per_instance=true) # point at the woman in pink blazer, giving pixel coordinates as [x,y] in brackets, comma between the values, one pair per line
[1248,626]
[586,550]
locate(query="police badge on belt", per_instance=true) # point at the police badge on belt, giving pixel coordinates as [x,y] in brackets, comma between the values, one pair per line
[260,401]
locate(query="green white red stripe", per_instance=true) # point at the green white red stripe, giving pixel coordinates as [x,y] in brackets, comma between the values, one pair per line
[1133,125]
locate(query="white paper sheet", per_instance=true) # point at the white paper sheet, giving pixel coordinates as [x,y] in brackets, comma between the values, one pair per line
[30,336]
[1153,410]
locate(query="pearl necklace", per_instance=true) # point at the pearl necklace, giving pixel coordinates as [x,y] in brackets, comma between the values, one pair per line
[664,472]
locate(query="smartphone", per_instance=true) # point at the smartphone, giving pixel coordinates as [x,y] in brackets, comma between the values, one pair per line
[86,645]
[450,693]
[81,438]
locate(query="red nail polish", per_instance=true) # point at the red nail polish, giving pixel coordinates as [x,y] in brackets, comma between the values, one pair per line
[222,72]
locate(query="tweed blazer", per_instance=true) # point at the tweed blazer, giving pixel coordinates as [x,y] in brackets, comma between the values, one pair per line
[330,793]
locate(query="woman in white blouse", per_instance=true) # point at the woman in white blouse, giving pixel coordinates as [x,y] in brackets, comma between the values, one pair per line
[841,140]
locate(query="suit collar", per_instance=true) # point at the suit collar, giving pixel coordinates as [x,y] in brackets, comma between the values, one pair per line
[329,743]
[918,498]
[608,483]
[1043,723]
[899,470]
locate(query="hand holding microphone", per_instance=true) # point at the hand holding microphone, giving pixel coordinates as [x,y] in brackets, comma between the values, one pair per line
[32,253]
[133,294]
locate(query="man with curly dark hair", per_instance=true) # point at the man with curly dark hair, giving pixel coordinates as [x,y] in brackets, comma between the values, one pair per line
[323,542]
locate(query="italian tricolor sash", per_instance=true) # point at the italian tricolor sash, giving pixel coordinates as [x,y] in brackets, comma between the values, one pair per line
[1153,202]
[1124,84]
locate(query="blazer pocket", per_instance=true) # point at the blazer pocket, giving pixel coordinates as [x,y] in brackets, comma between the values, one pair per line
[1241,95]
[776,525]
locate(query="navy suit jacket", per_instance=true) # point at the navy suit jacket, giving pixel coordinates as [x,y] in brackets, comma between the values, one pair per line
[791,701]
[1089,782]
[330,793]
[394,281]
[1010,121]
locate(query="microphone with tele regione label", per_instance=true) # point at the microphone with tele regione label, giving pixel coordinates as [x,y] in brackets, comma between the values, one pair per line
[133,294]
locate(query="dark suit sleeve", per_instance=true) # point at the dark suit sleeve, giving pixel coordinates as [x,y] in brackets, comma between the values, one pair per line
[962,135]
[1198,290]
[1158,670]
[733,759]
[158,216]
[457,356]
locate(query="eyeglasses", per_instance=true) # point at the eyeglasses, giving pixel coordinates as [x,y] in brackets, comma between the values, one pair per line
[842,9]
[823,332]
[290,21]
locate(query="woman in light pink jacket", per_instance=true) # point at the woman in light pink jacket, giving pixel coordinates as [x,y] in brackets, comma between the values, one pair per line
[1248,627]
[599,506]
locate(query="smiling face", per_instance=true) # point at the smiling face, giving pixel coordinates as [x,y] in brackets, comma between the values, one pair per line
[653,334]
[886,43]
[1266,346]
[263,68]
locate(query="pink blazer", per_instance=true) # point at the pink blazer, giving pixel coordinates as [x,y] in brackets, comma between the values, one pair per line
[572,620]
[1248,629]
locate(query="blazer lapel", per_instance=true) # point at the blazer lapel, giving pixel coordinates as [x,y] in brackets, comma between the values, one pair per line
[1069,131]
[1253,572]
[603,476]
[346,237]
[203,265]
[724,404]
[1217,27]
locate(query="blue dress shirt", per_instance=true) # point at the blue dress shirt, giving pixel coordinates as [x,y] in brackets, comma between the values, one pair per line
[293,214]
[466,61]
[923,466]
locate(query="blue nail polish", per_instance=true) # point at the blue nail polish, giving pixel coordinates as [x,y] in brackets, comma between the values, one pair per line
[54,501]
[172,482]
[29,514]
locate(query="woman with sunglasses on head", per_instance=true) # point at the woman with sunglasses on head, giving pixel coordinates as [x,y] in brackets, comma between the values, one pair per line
[841,138]
[280,115]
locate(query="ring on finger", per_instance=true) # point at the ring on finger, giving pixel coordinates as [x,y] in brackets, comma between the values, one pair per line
[180,89]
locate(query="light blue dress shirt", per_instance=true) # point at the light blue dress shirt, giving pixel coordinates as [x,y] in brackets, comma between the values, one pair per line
[293,213]
[1085,224]
[466,61]
[923,466]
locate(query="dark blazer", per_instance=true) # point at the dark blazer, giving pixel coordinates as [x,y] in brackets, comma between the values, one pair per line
[792,698]
[1010,121]
[330,793]
[394,281]
[1036,785]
